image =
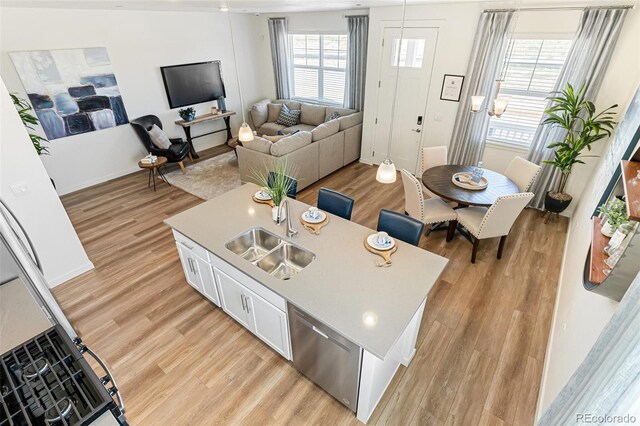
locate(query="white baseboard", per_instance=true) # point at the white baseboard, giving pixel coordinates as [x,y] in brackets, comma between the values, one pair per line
[96,181]
[71,274]
[406,360]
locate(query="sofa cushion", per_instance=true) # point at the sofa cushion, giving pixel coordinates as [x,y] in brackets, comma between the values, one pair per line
[333,116]
[325,130]
[312,114]
[288,117]
[350,120]
[341,112]
[260,113]
[270,129]
[299,127]
[288,102]
[159,138]
[290,144]
[273,112]
[258,144]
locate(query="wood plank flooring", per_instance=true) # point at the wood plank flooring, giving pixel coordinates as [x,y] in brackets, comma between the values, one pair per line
[179,360]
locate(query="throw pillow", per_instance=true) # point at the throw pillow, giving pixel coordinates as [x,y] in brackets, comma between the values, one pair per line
[273,112]
[159,138]
[333,116]
[288,117]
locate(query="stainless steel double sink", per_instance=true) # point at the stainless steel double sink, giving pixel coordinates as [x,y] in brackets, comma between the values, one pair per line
[270,253]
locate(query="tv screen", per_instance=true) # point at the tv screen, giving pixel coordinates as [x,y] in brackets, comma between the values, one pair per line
[190,84]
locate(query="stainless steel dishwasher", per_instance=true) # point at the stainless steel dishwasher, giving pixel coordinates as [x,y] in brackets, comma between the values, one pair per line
[328,359]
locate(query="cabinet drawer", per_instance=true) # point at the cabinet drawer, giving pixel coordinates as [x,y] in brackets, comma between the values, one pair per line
[190,245]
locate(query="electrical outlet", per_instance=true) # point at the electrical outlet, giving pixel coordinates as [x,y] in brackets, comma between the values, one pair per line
[19,188]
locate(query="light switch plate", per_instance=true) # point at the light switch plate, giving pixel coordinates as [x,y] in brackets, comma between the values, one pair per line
[437,116]
[19,188]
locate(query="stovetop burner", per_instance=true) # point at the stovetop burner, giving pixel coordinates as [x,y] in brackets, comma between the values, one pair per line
[46,381]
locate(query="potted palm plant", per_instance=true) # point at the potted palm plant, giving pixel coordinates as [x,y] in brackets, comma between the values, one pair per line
[584,127]
[29,120]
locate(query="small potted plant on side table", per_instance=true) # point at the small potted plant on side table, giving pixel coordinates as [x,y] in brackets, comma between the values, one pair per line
[187,114]
[616,212]
[573,113]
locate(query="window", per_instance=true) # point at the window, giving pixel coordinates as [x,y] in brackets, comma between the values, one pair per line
[411,54]
[530,75]
[319,63]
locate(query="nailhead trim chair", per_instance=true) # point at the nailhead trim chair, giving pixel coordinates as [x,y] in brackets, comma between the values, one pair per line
[431,157]
[495,221]
[335,203]
[522,172]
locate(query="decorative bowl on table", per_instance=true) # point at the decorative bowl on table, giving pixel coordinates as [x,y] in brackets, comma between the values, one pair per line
[314,216]
[372,241]
[463,180]
[187,114]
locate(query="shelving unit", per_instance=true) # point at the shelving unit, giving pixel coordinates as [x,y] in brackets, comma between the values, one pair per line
[631,184]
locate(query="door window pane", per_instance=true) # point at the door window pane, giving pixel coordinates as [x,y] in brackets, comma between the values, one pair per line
[411,53]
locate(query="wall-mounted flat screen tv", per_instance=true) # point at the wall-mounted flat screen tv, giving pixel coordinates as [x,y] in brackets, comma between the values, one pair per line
[189,84]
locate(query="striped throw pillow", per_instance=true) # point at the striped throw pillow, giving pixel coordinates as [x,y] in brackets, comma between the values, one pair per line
[288,117]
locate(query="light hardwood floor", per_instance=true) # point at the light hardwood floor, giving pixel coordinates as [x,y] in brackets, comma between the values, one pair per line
[179,360]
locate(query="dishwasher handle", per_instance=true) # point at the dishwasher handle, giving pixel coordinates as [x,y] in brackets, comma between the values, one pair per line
[317,330]
[300,317]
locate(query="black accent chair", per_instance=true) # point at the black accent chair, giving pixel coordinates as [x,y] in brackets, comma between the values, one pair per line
[294,184]
[336,203]
[178,150]
[400,226]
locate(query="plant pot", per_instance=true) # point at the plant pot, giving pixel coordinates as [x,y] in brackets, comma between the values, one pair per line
[188,117]
[607,230]
[274,215]
[557,202]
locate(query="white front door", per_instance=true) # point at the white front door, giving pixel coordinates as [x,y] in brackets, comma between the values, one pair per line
[416,64]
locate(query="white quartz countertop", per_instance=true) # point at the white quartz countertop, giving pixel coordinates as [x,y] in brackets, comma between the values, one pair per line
[341,287]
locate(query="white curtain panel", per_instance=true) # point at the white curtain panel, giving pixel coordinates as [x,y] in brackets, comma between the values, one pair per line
[607,383]
[487,59]
[586,64]
[279,36]
[358,32]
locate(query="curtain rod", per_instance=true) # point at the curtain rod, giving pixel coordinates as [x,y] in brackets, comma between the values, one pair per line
[525,9]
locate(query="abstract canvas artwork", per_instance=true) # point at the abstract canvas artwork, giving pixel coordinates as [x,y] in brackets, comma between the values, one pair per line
[72,91]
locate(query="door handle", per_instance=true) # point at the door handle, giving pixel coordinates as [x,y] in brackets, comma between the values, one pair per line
[416,130]
[186,245]
[190,264]
[314,328]
[244,306]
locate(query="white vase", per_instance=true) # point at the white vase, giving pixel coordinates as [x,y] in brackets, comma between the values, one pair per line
[274,214]
[607,230]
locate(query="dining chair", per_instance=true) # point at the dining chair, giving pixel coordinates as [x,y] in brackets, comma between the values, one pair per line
[335,203]
[429,211]
[293,190]
[522,172]
[495,221]
[400,226]
[431,157]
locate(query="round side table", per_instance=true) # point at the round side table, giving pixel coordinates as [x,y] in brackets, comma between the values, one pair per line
[155,169]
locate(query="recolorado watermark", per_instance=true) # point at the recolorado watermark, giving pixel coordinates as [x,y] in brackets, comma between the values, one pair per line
[605,419]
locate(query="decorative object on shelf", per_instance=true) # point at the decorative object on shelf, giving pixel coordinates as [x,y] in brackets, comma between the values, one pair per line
[277,187]
[452,87]
[222,105]
[584,126]
[29,120]
[72,91]
[215,111]
[245,134]
[387,170]
[187,114]
[616,212]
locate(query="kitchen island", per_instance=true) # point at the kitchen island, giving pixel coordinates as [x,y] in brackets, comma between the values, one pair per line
[378,309]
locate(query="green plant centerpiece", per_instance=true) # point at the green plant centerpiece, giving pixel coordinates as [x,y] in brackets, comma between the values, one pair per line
[29,120]
[187,114]
[584,127]
[616,212]
[276,183]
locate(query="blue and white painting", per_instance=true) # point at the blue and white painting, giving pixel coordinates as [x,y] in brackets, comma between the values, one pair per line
[72,91]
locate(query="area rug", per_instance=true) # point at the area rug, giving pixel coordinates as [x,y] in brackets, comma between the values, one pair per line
[209,178]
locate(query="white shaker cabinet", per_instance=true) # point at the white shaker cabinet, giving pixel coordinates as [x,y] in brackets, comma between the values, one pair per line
[198,272]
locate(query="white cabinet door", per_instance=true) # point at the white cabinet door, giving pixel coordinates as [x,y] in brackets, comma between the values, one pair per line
[234,302]
[190,267]
[269,324]
[205,274]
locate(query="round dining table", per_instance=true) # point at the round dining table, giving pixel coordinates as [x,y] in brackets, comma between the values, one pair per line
[438,180]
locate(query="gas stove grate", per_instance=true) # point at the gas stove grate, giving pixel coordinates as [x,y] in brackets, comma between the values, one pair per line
[44,382]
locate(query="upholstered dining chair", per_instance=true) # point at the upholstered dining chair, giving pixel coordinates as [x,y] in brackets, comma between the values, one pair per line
[335,203]
[429,211]
[522,172]
[176,153]
[495,221]
[293,190]
[431,157]
[400,226]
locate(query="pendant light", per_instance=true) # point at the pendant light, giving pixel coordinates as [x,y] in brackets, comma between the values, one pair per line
[245,134]
[500,102]
[387,170]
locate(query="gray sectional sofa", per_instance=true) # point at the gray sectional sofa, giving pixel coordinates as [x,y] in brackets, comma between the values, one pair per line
[319,148]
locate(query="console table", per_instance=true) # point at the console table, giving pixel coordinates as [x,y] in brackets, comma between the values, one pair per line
[186,125]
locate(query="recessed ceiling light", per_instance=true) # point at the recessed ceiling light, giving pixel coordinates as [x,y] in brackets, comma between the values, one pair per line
[224,8]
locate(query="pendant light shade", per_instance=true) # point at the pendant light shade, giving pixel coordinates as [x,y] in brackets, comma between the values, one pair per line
[500,105]
[476,103]
[245,134]
[386,172]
